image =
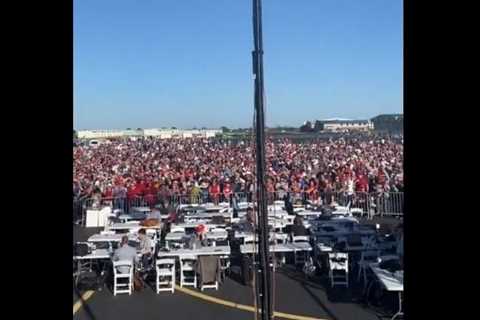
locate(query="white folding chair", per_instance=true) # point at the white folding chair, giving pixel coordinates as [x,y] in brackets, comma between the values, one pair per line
[117,212]
[276,238]
[366,257]
[296,239]
[338,265]
[209,286]
[177,229]
[152,234]
[118,287]
[188,274]
[300,256]
[223,210]
[224,264]
[165,275]
[250,239]
[212,285]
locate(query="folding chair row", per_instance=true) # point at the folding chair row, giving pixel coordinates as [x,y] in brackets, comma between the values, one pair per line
[166,273]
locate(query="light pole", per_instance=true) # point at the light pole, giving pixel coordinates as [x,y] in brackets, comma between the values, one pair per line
[262,270]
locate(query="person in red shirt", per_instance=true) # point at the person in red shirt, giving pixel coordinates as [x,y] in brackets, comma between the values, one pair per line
[227,191]
[132,190]
[154,190]
[149,195]
[270,191]
[312,191]
[214,191]
[175,190]
[131,196]
[140,187]
[108,193]
[381,177]
[381,180]
[361,183]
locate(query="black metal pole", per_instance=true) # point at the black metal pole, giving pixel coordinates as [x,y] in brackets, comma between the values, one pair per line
[263,271]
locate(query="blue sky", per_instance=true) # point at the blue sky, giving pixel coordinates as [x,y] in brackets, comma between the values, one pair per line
[187,63]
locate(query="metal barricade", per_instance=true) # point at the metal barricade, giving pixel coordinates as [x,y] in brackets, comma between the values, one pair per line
[80,207]
[370,204]
[77,211]
[391,203]
[360,200]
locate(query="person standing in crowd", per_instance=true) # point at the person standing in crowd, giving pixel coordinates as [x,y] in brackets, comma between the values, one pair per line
[250,187]
[227,192]
[288,204]
[150,194]
[361,183]
[173,165]
[195,193]
[312,191]
[248,225]
[96,198]
[204,186]
[214,191]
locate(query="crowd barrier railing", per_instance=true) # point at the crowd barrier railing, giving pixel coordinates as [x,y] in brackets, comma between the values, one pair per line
[373,203]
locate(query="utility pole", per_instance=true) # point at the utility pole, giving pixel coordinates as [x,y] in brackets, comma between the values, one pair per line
[262,269]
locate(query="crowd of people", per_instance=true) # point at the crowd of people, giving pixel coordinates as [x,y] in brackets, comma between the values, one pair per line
[154,168]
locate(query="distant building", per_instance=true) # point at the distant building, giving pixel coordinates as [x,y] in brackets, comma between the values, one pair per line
[132,133]
[159,133]
[339,125]
[392,123]
[99,134]
[176,133]
[307,127]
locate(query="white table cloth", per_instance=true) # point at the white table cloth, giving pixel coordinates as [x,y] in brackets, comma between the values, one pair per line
[390,281]
[205,251]
[111,237]
[278,235]
[207,215]
[191,225]
[95,255]
[286,247]
[322,248]
[134,216]
[178,236]
[132,225]
[309,213]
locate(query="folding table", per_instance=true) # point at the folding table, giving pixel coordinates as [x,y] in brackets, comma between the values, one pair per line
[390,282]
